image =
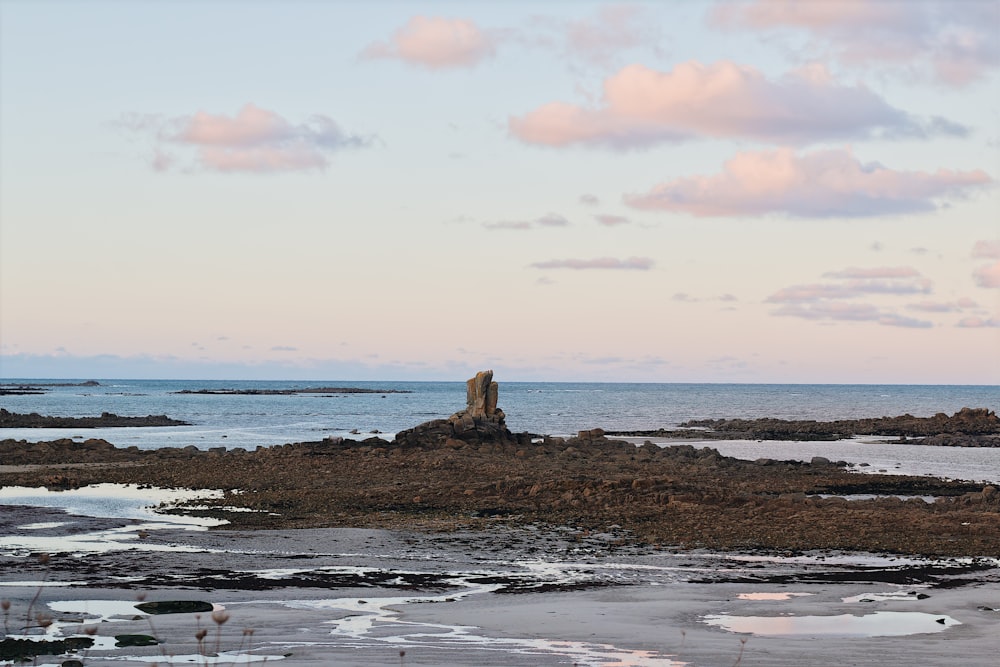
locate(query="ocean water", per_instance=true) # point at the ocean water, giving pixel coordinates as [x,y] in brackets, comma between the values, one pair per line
[250,421]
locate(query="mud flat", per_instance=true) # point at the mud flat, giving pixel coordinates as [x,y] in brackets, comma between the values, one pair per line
[526,595]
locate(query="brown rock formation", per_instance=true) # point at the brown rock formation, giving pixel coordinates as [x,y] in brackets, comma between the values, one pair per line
[481,395]
[481,421]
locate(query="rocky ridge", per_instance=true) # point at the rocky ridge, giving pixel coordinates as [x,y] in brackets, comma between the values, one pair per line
[107,419]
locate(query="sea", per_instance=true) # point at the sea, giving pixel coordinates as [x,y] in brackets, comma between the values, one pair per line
[553,408]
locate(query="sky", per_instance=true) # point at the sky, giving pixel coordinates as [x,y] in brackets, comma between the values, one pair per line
[694,191]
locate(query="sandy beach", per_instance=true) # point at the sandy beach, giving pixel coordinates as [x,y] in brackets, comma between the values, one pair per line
[504,596]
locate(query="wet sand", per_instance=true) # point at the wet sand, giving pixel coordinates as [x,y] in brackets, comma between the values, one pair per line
[503,596]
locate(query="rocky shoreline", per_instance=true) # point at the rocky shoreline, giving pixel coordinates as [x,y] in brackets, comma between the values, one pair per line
[469,470]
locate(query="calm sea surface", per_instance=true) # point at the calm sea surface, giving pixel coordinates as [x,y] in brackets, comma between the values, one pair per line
[539,407]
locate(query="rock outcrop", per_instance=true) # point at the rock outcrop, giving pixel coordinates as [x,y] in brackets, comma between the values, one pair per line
[967,427]
[107,419]
[480,422]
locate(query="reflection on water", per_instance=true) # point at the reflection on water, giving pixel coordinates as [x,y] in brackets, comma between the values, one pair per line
[141,506]
[878,624]
[367,622]
[112,501]
[94,612]
[770,596]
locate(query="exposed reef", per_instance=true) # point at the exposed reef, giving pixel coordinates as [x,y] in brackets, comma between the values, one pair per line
[107,419]
[291,392]
[969,427]
[15,389]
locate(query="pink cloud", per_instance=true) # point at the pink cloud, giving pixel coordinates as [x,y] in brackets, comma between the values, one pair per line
[988,276]
[251,126]
[851,312]
[435,43]
[552,220]
[823,183]
[642,106]
[875,272]
[848,290]
[616,28]
[943,307]
[253,140]
[826,301]
[989,249]
[548,220]
[630,263]
[978,323]
[954,42]
[611,220]
[289,158]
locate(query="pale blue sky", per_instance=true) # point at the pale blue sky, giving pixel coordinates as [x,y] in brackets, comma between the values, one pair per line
[355,190]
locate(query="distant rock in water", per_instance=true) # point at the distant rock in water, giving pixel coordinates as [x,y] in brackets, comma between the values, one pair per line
[481,420]
[11,389]
[290,392]
[107,419]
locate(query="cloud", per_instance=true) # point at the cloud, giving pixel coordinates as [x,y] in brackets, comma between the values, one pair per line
[988,276]
[520,225]
[589,200]
[851,312]
[548,220]
[436,43]
[849,290]
[875,272]
[978,323]
[826,301]
[943,307]
[952,42]
[254,140]
[642,107]
[615,28]
[284,348]
[989,249]
[822,183]
[630,263]
[611,220]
